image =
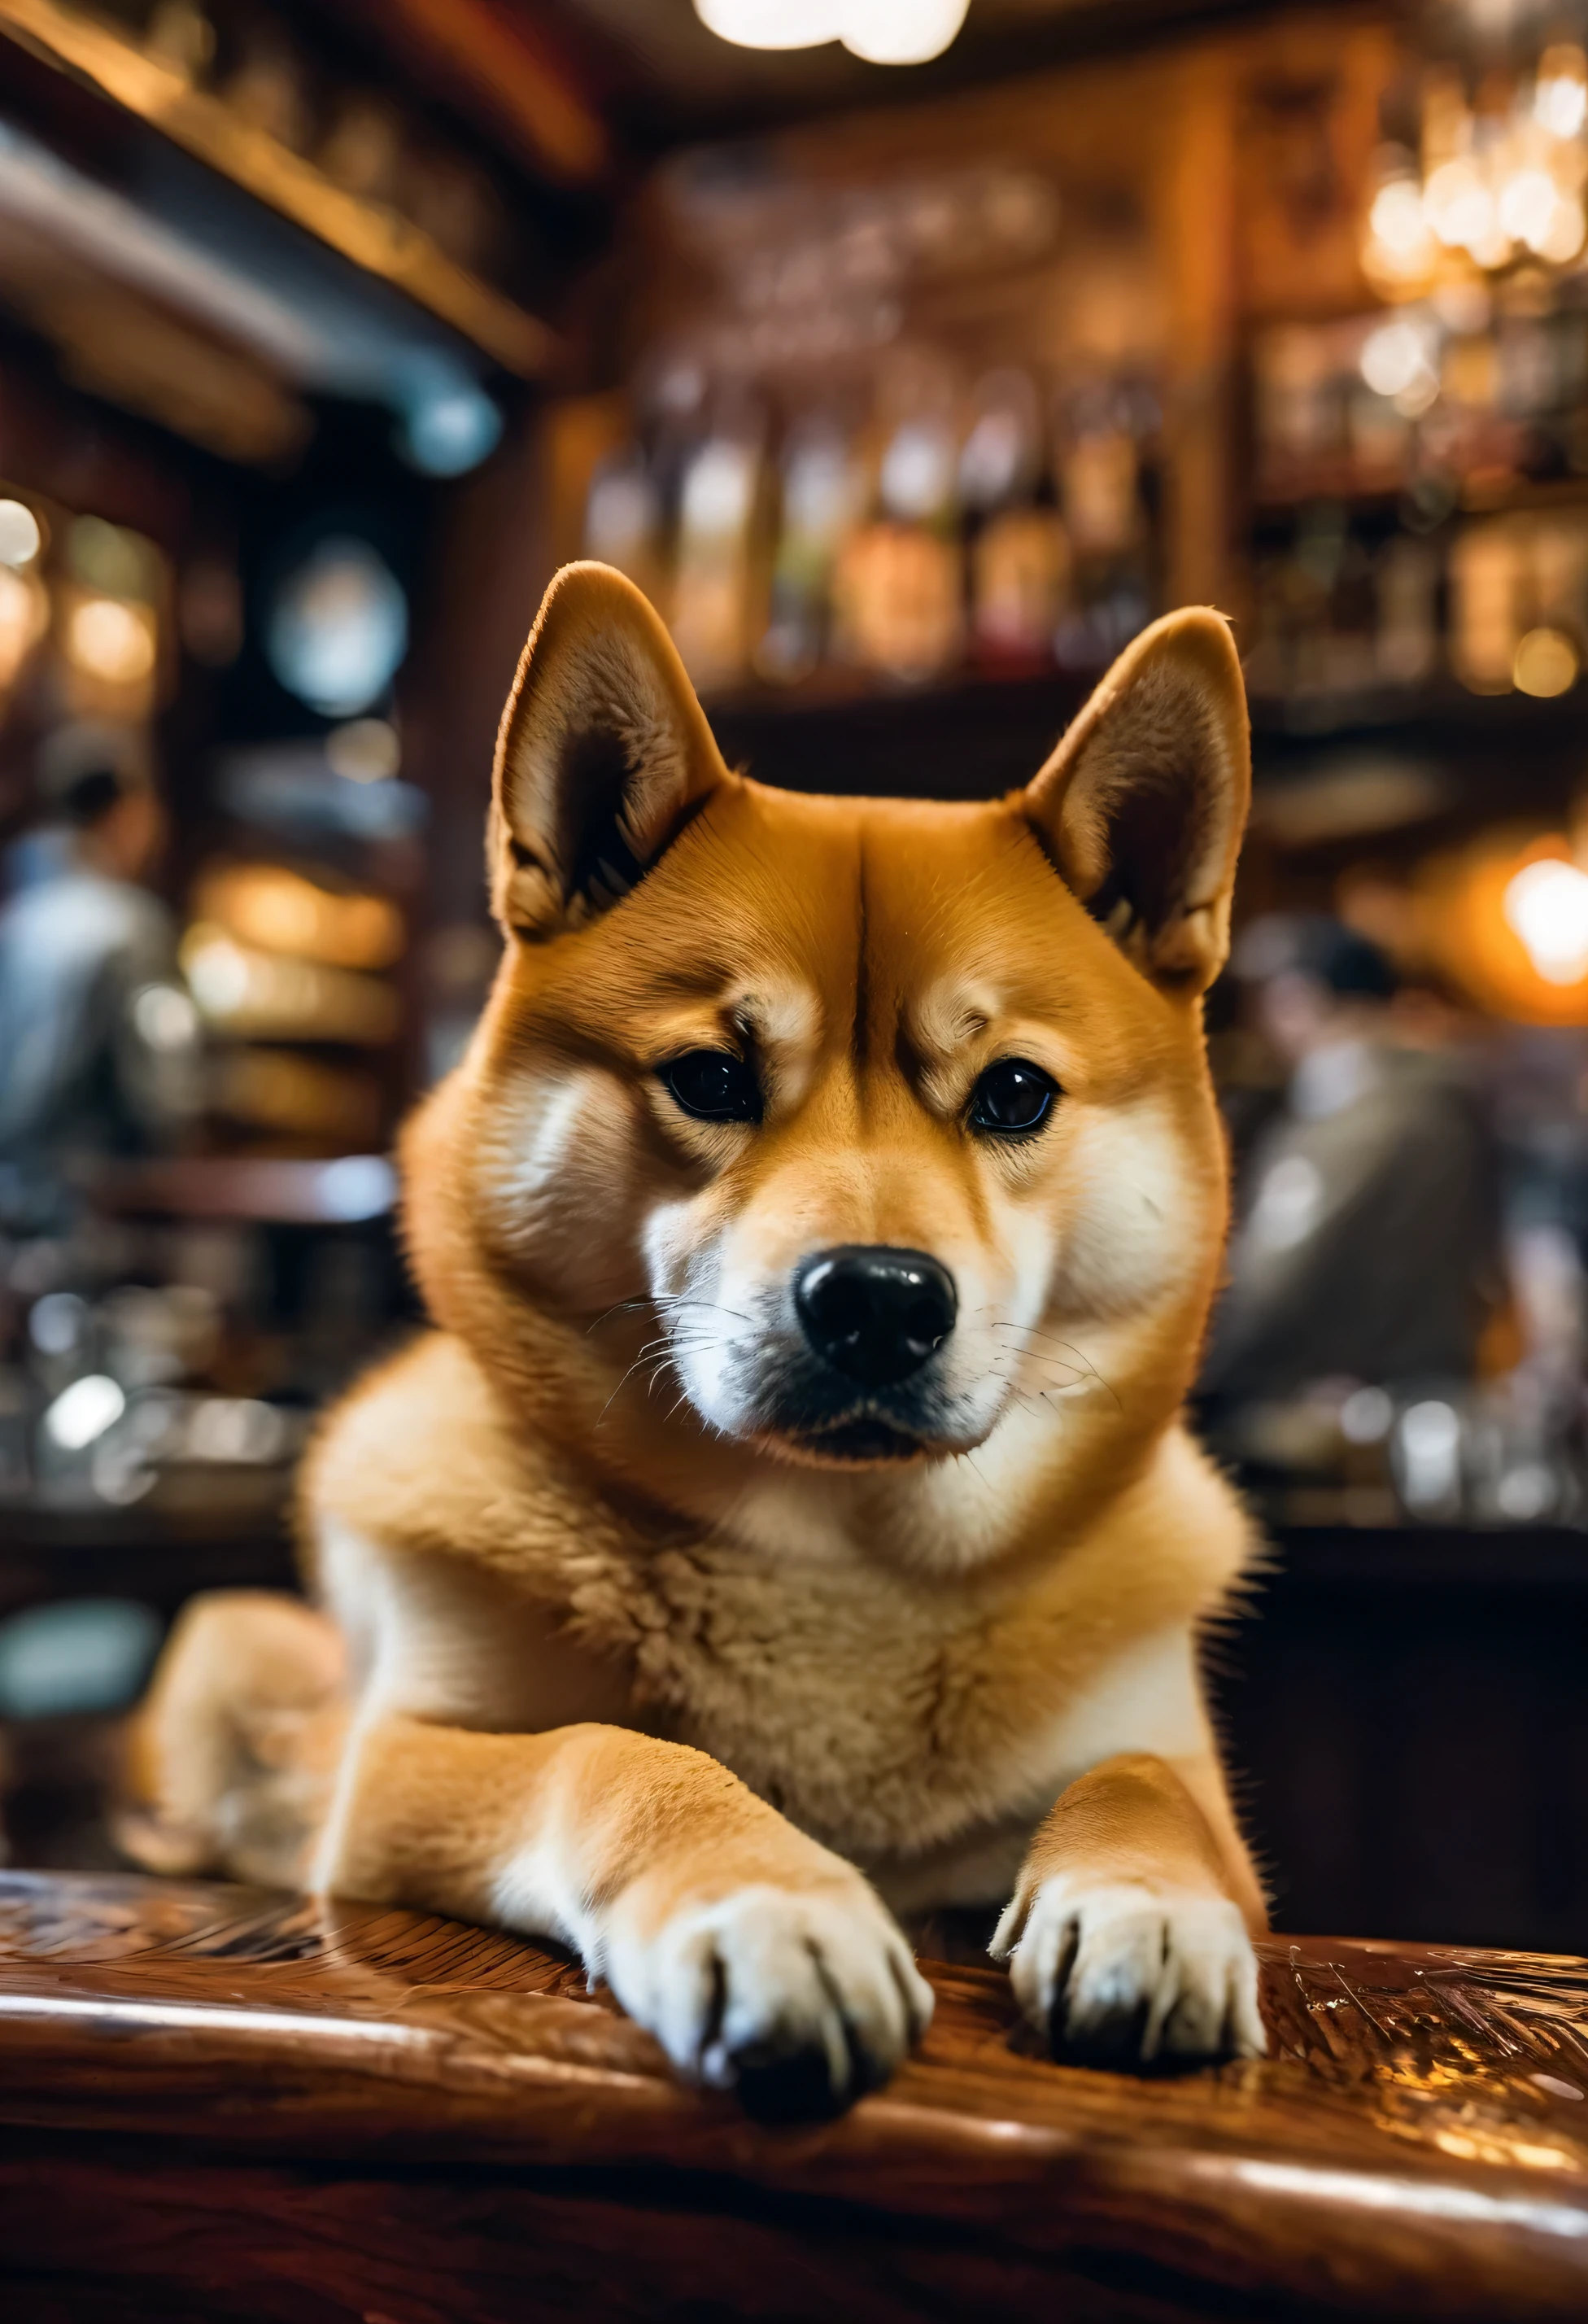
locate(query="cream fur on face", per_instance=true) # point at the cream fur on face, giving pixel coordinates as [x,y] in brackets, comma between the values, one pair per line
[604,1195]
[1038,1287]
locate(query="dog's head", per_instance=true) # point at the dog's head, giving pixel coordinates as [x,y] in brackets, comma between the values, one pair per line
[870,1124]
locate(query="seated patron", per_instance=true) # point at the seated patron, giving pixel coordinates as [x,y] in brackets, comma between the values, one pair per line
[98,1051]
[1365,1234]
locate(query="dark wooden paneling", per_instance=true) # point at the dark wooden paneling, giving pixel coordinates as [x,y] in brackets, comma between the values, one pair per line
[1410,1724]
[969,740]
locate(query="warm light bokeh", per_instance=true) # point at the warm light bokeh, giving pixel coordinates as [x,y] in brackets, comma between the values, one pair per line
[1507,920]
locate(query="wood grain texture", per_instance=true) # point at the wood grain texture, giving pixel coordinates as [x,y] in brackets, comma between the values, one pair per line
[217,2102]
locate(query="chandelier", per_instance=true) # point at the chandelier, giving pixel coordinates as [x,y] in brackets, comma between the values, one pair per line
[1490,171]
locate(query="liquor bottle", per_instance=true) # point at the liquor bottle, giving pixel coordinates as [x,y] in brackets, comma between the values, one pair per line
[1019,551]
[822,499]
[1488,588]
[712,614]
[1559,563]
[623,519]
[1406,640]
[898,593]
[1103,426]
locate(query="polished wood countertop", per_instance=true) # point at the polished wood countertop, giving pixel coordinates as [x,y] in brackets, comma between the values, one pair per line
[213,2093]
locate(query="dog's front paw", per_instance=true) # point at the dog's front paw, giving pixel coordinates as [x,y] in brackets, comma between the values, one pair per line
[798,1999]
[1123,1973]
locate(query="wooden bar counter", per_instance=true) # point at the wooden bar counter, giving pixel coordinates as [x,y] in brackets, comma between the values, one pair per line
[217,2102]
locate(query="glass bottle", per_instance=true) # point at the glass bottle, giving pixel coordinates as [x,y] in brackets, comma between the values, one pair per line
[1019,551]
[823,492]
[718,497]
[898,596]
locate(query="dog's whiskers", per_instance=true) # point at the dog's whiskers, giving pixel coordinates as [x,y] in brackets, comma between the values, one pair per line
[975,1471]
[618,1391]
[658,1301]
[661,1354]
[1074,1360]
[654,1358]
[1033,1333]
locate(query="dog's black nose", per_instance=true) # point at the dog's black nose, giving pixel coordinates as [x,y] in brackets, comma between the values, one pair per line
[873,1312]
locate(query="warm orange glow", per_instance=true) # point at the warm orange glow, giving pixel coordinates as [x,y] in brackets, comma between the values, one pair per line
[260,995]
[1546,663]
[110,641]
[281,1090]
[1547,903]
[1507,921]
[266,905]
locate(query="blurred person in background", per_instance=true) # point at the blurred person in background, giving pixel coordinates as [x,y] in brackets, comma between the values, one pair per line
[98,1038]
[1367,1228]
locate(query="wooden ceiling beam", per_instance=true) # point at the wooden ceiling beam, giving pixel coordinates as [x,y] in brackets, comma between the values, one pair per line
[372,236]
[498,65]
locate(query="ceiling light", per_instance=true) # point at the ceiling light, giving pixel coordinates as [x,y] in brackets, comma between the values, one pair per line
[772,23]
[901,32]
[882,32]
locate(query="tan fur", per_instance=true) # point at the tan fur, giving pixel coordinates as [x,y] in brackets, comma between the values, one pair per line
[814,1680]
[235,1748]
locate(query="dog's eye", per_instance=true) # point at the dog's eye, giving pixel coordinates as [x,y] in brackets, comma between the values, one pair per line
[714,1086]
[1011,1098]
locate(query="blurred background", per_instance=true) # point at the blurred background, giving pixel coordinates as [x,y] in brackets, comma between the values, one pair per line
[911,356]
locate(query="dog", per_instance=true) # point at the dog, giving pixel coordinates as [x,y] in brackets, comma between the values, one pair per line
[788,1526]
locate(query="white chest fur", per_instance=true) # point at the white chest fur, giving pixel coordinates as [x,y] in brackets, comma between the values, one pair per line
[922,1729]
[909,1734]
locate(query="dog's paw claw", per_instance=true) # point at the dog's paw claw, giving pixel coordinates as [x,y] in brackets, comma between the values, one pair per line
[1123,1973]
[798,2001]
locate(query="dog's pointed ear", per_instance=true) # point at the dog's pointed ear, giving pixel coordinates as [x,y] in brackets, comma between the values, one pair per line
[603,750]
[1143,804]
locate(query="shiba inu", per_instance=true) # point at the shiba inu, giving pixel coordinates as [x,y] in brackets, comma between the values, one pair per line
[788,1523]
